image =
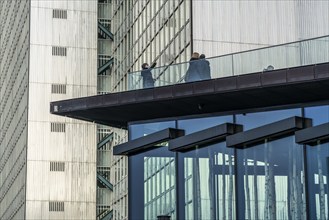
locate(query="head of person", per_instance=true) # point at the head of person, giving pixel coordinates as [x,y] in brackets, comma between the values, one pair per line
[145,66]
[202,56]
[195,55]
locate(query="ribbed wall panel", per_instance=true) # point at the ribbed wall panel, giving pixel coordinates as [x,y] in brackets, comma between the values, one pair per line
[46,97]
[221,27]
[76,184]
[76,144]
[148,31]
[75,31]
[14,56]
[63,51]
[78,5]
[77,68]
[74,211]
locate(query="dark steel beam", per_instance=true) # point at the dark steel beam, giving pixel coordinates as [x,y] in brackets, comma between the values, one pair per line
[270,131]
[314,134]
[146,142]
[286,87]
[207,136]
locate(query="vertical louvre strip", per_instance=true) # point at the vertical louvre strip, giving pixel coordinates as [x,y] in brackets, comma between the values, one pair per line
[56,206]
[59,51]
[57,127]
[58,88]
[59,13]
[57,166]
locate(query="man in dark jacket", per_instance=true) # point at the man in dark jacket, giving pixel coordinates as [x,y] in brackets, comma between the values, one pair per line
[148,81]
[204,67]
[193,72]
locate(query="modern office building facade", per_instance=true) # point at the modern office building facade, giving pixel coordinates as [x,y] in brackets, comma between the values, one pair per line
[48,163]
[245,146]
[167,32]
[143,31]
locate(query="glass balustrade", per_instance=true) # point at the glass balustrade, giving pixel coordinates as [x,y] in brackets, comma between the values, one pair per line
[305,52]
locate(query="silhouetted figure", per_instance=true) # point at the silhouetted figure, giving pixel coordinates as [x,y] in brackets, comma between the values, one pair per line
[204,67]
[193,71]
[148,81]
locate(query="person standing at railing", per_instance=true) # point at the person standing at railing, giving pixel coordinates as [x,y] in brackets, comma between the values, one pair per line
[204,67]
[148,81]
[193,72]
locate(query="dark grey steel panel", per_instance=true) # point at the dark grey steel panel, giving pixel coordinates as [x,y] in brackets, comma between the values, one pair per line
[321,70]
[312,135]
[236,93]
[143,143]
[206,136]
[271,131]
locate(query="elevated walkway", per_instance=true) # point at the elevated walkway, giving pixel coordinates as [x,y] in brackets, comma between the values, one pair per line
[299,74]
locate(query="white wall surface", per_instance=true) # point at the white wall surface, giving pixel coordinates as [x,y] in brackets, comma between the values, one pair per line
[222,27]
[76,147]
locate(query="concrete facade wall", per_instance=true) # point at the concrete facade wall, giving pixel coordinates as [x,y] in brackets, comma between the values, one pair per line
[61,157]
[222,27]
[14,64]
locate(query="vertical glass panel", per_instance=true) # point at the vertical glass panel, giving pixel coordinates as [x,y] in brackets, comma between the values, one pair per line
[317,176]
[253,120]
[140,130]
[278,57]
[198,124]
[208,183]
[152,184]
[319,114]
[270,179]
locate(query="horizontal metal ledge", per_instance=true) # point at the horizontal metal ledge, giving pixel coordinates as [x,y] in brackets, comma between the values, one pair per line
[204,137]
[311,135]
[304,84]
[143,143]
[270,131]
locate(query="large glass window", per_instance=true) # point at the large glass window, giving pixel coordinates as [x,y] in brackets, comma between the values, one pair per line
[318,173]
[319,114]
[152,176]
[198,124]
[152,184]
[253,120]
[207,183]
[270,180]
[140,130]
[318,167]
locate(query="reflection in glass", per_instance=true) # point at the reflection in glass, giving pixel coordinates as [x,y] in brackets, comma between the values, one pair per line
[273,180]
[253,120]
[140,130]
[319,114]
[317,169]
[305,52]
[209,182]
[198,124]
[159,187]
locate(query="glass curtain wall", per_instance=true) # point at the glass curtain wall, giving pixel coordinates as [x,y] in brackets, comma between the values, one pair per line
[152,177]
[206,179]
[270,180]
[146,32]
[208,182]
[264,181]
[269,175]
[318,168]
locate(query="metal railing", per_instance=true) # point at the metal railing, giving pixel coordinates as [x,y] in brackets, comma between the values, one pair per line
[294,54]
